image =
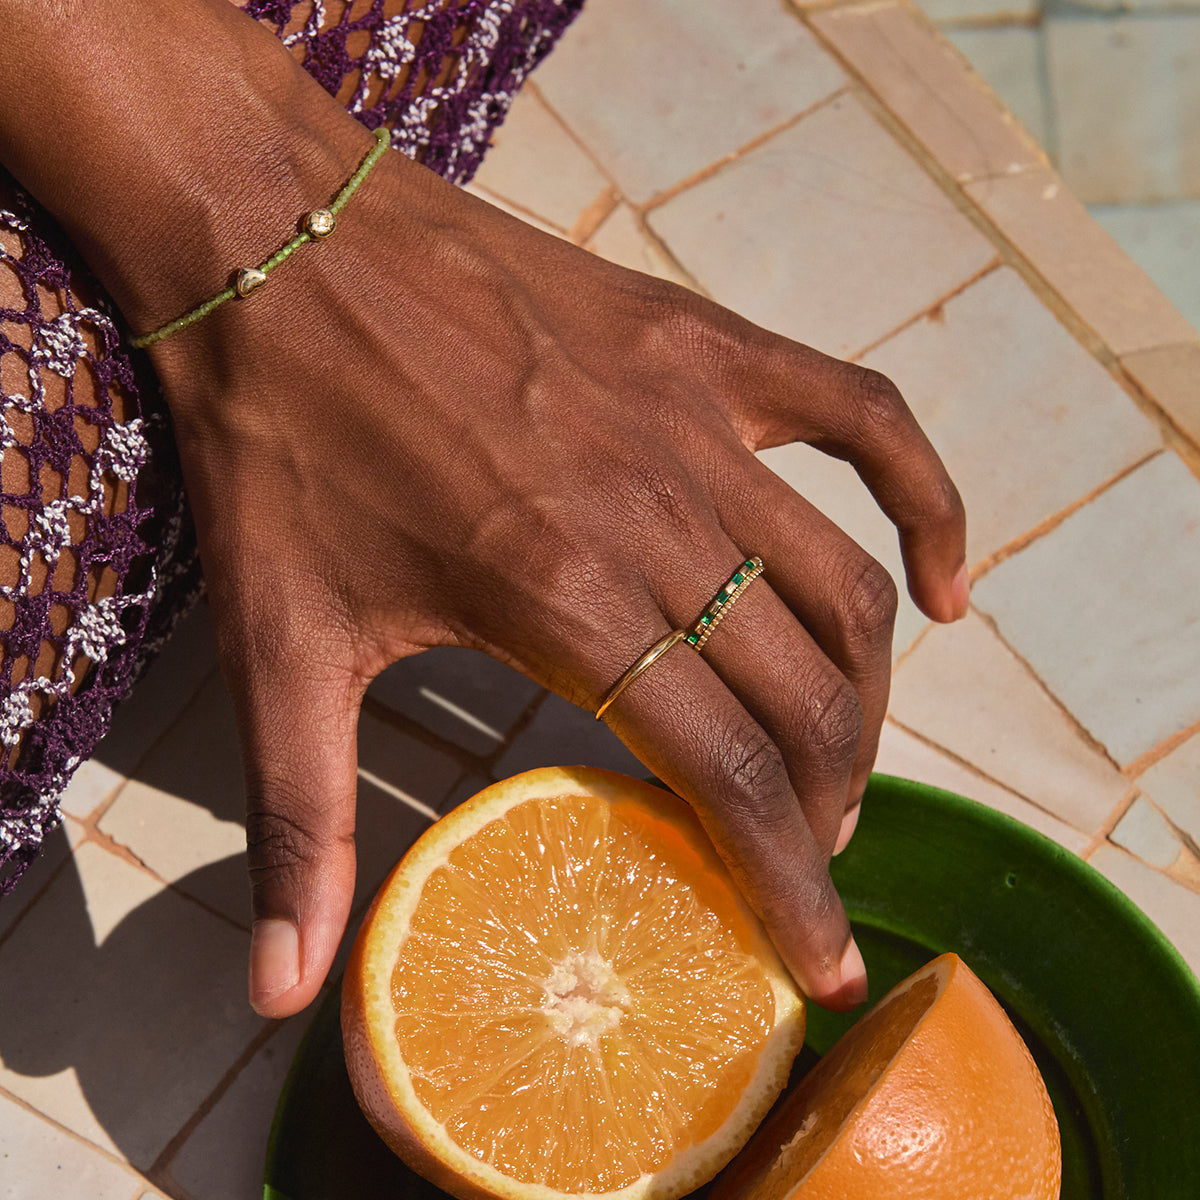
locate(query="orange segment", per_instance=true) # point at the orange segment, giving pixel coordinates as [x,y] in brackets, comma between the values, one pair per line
[560,991]
[930,1096]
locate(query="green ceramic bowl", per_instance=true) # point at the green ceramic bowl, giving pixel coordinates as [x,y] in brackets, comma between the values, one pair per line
[1104,1002]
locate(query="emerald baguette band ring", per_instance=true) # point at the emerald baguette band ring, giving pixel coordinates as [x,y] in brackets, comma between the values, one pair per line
[696,636]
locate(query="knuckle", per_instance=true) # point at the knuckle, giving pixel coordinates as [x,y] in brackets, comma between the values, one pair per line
[877,402]
[834,724]
[872,601]
[277,842]
[753,775]
[943,504]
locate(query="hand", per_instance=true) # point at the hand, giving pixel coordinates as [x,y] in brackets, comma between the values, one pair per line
[444,427]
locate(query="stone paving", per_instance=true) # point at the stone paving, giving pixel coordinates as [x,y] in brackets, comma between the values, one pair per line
[838,173]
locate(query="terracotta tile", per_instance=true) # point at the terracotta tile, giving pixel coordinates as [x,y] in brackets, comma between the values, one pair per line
[1104,608]
[1174,908]
[184,815]
[963,689]
[55,851]
[1164,240]
[834,488]
[464,696]
[1010,61]
[828,233]
[1024,434]
[155,703]
[123,1005]
[1080,261]
[562,735]
[647,84]
[534,163]
[224,1155]
[1126,93]
[928,85]
[1144,832]
[41,1161]
[621,240]
[902,754]
[1173,783]
[1171,377]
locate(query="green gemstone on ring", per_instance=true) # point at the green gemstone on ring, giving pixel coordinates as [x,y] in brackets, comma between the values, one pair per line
[706,618]
[692,638]
[738,578]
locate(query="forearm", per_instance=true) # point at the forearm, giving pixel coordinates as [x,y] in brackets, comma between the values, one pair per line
[173,141]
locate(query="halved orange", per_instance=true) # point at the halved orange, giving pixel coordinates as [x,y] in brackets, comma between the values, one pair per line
[930,1096]
[560,991]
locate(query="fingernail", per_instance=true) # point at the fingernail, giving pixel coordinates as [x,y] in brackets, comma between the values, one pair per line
[854,976]
[849,822]
[274,959]
[960,592]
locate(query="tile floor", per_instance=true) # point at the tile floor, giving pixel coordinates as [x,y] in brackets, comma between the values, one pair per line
[1111,89]
[837,173]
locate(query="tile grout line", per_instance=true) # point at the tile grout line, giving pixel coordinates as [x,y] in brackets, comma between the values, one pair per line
[966,204]
[1047,526]
[1084,734]
[1101,836]
[977,770]
[159,1169]
[1141,764]
[652,235]
[72,1134]
[930,312]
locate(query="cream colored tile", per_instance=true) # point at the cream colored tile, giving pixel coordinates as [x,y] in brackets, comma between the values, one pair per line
[1104,608]
[512,210]
[1126,93]
[1010,60]
[1095,277]
[659,89]
[1164,240]
[1173,783]
[563,735]
[141,718]
[621,240]
[1144,832]
[963,689]
[921,78]
[989,13]
[1024,434]
[184,815]
[40,1162]
[225,1153]
[1170,375]
[463,696]
[902,754]
[834,488]
[534,163]
[1174,908]
[123,1005]
[55,851]
[828,233]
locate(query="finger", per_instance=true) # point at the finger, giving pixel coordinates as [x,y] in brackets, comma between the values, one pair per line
[690,729]
[859,415]
[841,596]
[298,733]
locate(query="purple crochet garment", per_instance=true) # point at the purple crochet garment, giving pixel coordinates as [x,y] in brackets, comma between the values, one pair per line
[94,519]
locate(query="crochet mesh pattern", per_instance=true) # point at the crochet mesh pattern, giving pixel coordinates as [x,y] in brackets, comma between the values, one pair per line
[97,549]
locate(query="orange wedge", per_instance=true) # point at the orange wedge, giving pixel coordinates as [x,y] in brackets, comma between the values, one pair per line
[559,991]
[930,1096]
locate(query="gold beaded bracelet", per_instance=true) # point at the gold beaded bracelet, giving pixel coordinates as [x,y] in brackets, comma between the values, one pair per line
[317,225]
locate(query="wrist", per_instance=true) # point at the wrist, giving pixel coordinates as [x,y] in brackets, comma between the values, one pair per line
[200,159]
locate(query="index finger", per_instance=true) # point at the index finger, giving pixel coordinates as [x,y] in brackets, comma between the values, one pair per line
[692,732]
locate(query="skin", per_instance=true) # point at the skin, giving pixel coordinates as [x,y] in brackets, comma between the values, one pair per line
[443,427]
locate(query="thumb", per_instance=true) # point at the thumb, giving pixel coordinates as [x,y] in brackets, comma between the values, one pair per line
[299,749]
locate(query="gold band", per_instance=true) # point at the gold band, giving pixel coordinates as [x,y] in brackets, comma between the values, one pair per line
[647,660]
[695,637]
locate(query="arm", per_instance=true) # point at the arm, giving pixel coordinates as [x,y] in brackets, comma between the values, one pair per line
[420,434]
